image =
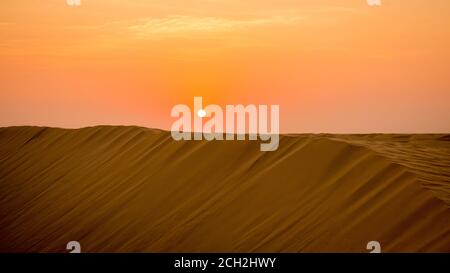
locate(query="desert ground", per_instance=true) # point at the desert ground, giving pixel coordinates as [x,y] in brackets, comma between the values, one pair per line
[133,189]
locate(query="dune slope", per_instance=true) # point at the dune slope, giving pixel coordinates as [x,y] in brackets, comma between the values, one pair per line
[131,189]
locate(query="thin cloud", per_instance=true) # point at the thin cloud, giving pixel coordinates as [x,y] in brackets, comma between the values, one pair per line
[179,24]
[6,24]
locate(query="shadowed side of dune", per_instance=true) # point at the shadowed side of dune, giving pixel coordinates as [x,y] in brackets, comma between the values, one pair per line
[425,155]
[130,189]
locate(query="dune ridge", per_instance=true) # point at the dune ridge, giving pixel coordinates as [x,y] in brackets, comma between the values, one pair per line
[426,155]
[133,189]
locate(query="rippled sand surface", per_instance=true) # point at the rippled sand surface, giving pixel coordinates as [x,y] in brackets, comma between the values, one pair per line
[131,189]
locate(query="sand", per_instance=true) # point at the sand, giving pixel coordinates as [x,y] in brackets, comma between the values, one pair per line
[132,189]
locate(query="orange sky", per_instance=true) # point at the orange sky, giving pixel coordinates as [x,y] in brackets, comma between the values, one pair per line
[331,65]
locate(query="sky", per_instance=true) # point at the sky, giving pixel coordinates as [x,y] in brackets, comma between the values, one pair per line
[333,66]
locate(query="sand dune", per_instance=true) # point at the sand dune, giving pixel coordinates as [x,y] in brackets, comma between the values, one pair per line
[122,189]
